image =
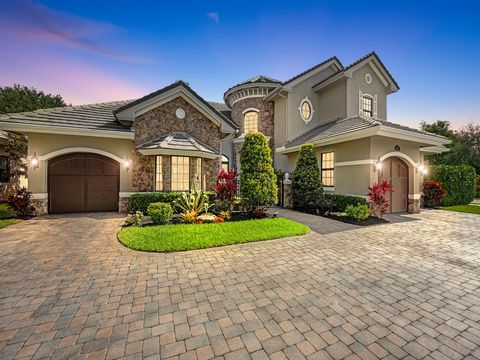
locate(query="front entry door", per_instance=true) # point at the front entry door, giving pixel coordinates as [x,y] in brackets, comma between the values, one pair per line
[395,171]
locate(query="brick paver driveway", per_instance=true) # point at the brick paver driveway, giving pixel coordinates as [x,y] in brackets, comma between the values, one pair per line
[407,290]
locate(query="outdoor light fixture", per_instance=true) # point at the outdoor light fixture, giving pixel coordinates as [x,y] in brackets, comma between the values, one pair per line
[378,165]
[35,161]
[422,169]
[127,163]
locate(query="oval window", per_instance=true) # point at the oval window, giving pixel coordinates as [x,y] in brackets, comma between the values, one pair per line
[306,110]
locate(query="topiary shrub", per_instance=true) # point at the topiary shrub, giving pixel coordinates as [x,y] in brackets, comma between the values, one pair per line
[338,202]
[306,184]
[433,193]
[358,212]
[258,182]
[160,213]
[6,212]
[459,181]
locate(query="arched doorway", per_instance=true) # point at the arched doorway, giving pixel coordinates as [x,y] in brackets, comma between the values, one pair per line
[395,171]
[83,182]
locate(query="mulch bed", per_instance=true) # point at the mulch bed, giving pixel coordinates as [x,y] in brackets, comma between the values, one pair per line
[372,220]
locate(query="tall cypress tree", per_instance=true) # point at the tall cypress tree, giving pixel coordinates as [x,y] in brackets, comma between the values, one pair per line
[258,182]
[306,185]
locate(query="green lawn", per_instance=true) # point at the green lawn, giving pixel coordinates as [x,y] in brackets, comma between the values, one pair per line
[166,238]
[7,222]
[472,209]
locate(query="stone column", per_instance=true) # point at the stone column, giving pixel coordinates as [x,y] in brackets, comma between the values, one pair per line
[287,193]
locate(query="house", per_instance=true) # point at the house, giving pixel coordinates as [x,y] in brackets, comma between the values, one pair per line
[93,157]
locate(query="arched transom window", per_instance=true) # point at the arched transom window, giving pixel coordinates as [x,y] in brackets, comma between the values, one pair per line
[250,121]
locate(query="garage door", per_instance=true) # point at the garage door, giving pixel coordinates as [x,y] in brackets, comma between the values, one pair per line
[395,171]
[83,183]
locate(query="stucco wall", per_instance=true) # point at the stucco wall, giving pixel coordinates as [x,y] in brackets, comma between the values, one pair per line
[44,144]
[295,124]
[357,82]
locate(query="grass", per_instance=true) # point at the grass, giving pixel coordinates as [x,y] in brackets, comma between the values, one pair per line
[167,238]
[8,222]
[471,209]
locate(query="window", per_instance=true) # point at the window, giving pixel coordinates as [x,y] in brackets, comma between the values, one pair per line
[158,173]
[367,106]
[4,168]
[180,173]
[328,163]
[198,174]
[306,110]
[224,163]
[250,122]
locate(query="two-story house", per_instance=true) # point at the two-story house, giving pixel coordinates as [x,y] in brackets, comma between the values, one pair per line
[93,157]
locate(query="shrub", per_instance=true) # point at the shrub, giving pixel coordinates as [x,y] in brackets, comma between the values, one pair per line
[160,213]
[189,217]
[359,212]
[478,187]
[225,215]
[140,201]
[306,184]
[376,197]
[433,193]
[226,187]
[6,212]
[338,202]
[134,219]
[20,202]
[459,181]
[258,183]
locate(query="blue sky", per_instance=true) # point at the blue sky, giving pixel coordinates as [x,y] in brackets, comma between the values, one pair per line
[93,51]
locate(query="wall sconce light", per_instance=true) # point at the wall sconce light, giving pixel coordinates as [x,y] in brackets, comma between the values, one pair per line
[378,165]
[35,161]
[127,163]
[422,169]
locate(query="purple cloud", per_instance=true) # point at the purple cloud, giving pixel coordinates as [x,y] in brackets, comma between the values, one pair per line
[40,23]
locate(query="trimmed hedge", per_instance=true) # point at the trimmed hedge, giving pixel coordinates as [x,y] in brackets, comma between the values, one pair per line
[459,181]
[339,202]
[6,212]
[140,201]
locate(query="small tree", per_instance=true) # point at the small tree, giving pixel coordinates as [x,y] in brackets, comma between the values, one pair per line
[376,197]
[258,182]
[306,185]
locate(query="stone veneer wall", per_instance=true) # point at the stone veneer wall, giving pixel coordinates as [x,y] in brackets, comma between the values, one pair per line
[265,121]
[161,121]
[414,206]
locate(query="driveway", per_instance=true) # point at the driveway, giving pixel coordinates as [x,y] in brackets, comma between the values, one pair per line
[405,290]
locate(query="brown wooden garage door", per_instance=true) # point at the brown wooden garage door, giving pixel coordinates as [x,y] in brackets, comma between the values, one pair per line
[83,183]
[395,171]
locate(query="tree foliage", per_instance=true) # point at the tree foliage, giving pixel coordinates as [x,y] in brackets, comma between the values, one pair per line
[14,99]
[465,146]
[258,182]
[306,185]
[18,98]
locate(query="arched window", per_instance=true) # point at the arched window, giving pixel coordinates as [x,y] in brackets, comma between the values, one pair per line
[250,121]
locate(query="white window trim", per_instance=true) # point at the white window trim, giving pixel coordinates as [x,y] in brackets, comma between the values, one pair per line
[312,111]
[374,98]
[249,110]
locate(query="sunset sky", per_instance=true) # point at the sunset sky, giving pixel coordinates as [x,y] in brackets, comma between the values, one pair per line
[114,50]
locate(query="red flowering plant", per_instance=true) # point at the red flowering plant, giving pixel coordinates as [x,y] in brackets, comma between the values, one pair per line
[377,199]
[226,190]
[433,193]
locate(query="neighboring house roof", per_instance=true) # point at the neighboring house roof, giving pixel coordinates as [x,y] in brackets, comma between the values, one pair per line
[93,117]
[178,84]
[178,142]
[353,124]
